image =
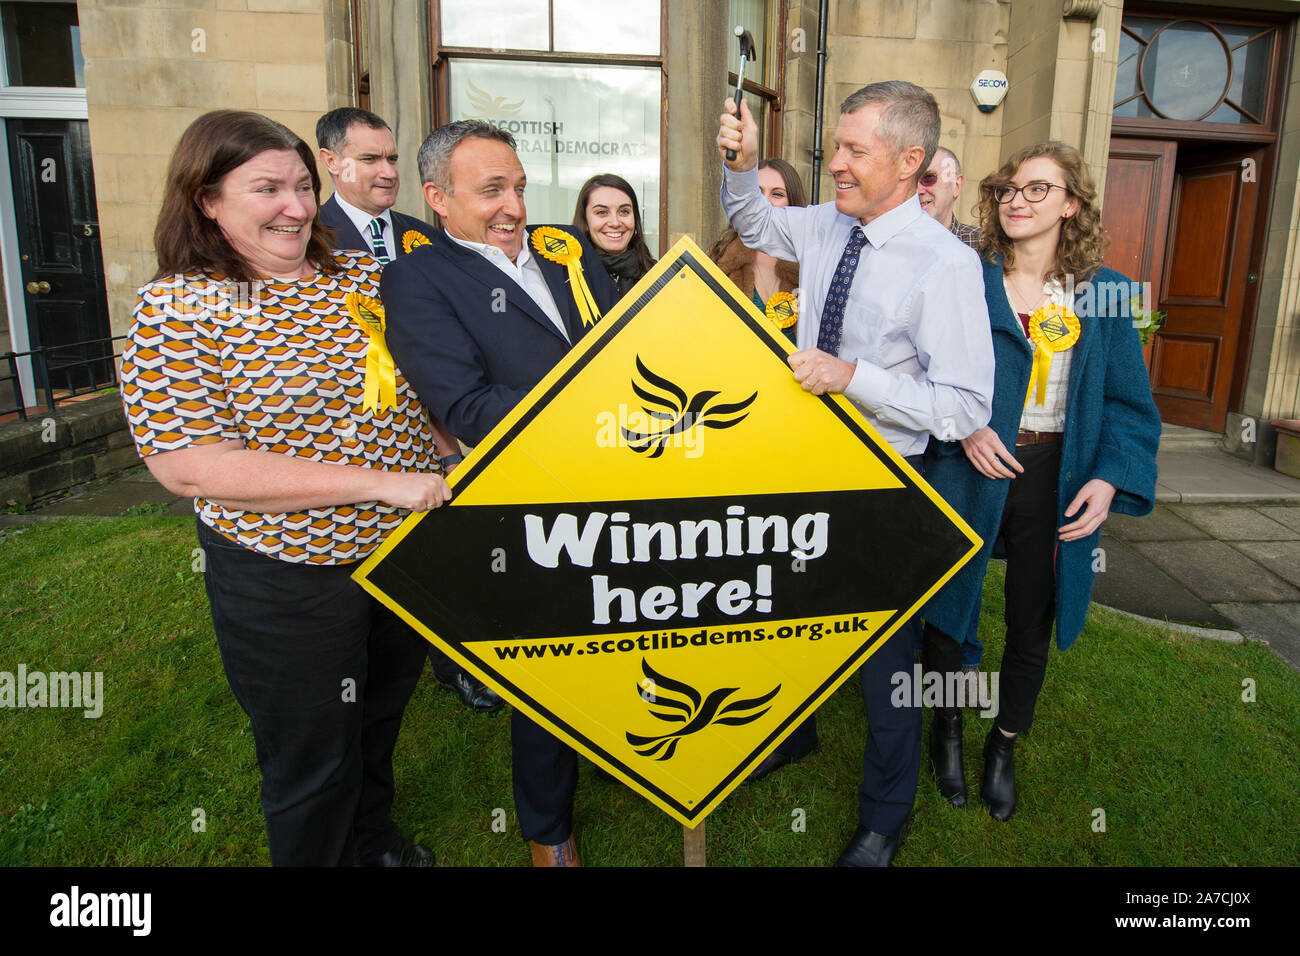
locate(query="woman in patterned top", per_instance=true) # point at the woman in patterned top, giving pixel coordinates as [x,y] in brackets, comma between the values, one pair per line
[245,385]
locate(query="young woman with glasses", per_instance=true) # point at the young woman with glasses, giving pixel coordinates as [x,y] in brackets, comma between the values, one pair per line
[1073,437]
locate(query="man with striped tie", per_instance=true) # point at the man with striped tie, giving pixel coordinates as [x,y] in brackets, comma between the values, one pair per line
[360,152]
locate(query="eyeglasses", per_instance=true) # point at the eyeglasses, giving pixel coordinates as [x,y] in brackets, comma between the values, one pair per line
[929,179]
[1033,192]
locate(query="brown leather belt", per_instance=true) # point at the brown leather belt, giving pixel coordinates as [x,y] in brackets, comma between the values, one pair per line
[1036,438]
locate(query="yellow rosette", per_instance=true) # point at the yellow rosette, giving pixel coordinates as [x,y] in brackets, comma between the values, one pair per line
[412,238]
[783,310]
[1052,329]
[381,372]
[559,246]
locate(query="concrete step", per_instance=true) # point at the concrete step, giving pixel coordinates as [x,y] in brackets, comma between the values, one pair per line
[1181,438]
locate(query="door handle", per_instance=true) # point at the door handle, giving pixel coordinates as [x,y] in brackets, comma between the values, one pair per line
[38,288]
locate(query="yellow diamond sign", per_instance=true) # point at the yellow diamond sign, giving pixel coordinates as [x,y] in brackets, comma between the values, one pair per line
[669,554]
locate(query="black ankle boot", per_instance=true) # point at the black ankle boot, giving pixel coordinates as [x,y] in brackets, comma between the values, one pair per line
[999,789]
[945,756]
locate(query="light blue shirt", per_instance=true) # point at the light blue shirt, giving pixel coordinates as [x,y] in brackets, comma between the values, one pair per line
[915,324]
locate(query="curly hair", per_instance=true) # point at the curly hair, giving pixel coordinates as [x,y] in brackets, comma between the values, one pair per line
[1082,242]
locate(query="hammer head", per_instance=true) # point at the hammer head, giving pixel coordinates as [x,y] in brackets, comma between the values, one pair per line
[746,44]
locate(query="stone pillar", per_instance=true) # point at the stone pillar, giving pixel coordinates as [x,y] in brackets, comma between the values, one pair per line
[400,86]
[800,100]
[695,64]
[1272,386]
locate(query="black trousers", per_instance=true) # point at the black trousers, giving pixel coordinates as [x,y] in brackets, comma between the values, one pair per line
[1029,531]
[545,775]
[324,673]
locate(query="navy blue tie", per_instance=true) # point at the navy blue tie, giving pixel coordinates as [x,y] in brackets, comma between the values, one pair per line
[832,327]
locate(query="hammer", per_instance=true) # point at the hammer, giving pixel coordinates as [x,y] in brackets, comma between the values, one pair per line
[746,53]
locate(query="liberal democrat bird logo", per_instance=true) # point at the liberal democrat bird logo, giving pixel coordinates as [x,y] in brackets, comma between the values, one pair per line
[668,402]
[489,105]
[694,712]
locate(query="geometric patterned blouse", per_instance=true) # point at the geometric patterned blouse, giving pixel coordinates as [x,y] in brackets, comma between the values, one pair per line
[281,369]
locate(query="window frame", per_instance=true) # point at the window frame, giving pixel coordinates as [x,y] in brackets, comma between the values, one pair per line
[440,56]
[1267,131]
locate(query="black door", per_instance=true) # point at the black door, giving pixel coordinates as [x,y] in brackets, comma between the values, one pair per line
[58,242]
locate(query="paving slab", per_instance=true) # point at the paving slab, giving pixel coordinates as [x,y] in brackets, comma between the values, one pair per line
[1279,624]
[1133,584]
[1289,516]
[1208,476]
[1215,572]
[1280,557]
[1235,523]
[1160,525]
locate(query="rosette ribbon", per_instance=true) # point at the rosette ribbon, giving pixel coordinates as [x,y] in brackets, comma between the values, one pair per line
[559,246]
[1052,328]
[381,372]
[783,309]
[412,238]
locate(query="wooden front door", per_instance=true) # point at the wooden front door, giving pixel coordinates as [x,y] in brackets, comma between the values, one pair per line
[1139,188]
[1203,289]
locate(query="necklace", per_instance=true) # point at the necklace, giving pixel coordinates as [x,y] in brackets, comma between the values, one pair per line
[1019,294]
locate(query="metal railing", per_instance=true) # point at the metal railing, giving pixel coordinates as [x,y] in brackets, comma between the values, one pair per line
[55,372]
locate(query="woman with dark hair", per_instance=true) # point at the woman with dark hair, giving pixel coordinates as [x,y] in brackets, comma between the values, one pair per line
[1072,399]
[608,215]
[769,282]
[256,380]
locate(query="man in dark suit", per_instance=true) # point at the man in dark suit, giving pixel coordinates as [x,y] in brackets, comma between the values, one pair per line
[475,321]
[359,150]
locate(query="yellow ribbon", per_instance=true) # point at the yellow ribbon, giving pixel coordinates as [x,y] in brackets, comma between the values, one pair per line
[1053,328]
[412,238]
[381,372]
[558,246]
[783,309]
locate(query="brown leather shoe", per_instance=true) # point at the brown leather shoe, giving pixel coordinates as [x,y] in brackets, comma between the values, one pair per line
[562,854]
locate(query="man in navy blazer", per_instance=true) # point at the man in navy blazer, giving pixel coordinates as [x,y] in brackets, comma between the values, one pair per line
[475,321]
[359,150]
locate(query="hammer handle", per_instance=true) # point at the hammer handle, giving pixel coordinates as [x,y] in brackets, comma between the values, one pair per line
[740,88]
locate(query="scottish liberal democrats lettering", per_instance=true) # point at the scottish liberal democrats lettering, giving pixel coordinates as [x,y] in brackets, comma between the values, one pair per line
[732,591]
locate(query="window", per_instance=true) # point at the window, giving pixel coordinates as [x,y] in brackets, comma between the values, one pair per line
[1194,71]
[42,45]
[577,82]
[765,20]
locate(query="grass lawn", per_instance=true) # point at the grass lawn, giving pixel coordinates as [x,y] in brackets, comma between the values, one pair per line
[1147,726]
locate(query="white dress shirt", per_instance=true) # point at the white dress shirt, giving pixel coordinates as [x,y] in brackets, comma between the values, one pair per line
[361,219]
[526,273]
[915,323]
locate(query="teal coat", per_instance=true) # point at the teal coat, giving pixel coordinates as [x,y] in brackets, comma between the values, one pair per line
[1112,431]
